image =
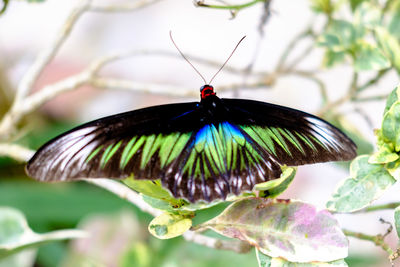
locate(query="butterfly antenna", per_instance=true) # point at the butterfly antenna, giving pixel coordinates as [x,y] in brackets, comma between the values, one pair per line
[184,57]
[226,61]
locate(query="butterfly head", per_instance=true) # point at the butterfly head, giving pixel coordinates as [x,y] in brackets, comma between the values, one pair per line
[206,90]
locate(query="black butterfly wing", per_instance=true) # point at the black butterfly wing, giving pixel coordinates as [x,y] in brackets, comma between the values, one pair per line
[116,146]
[293,137]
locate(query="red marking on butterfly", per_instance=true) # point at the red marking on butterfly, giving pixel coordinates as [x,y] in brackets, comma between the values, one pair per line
[206,90]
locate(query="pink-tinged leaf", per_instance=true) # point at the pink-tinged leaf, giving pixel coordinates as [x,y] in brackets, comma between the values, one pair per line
[292,230]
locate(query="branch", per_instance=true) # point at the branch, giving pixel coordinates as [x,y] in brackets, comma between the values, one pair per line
[122,7]
[312,77]
[28,80]
[151,88]
[371,98]
[229,7]
[351,94]
[378,240]
[49,52]
[374,80]
[387,206]
[290,47]
[16,152]
[126,193]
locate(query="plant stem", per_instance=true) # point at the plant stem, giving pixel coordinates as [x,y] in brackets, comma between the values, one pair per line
[371,98]
[230,7]
[5,4]
[373,81]
[351,94]
[289,48]
[387,206]
[378,240]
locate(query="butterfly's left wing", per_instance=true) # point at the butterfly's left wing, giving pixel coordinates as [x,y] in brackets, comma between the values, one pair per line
[140,142]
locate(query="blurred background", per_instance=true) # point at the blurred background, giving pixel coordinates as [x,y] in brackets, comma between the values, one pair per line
[28,27]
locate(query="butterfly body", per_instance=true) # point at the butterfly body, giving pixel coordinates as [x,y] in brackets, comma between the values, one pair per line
[199,150]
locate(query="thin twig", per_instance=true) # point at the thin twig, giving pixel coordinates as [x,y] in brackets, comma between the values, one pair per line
[127,7]
[16,152]
[126,193]
[50,51]
[378,240]
[351,94]
[312,77]
[289,48]
[374,80]
[371,98]
[151,88]
[387,206]
[8,122]
[300,57]
[229,7]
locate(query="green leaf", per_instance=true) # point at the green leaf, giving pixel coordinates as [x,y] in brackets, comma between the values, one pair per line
[392,98]
[355,3]
[385,152]
[153,189]
[332,58]
[340,36]
[16,235]
[391,125]
[159,204]
[367,15]
[397,220]
[168,225]
[276,187]
[266,261]
[263,260]
[292,230]
[389,45]
[366,183]
[287,172]
[394,24]
[147,187]
[331,41]
[394,169]
[323,6]
[369,57]
[382,157]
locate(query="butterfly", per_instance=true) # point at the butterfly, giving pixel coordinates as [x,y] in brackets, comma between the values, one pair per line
[201,151]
